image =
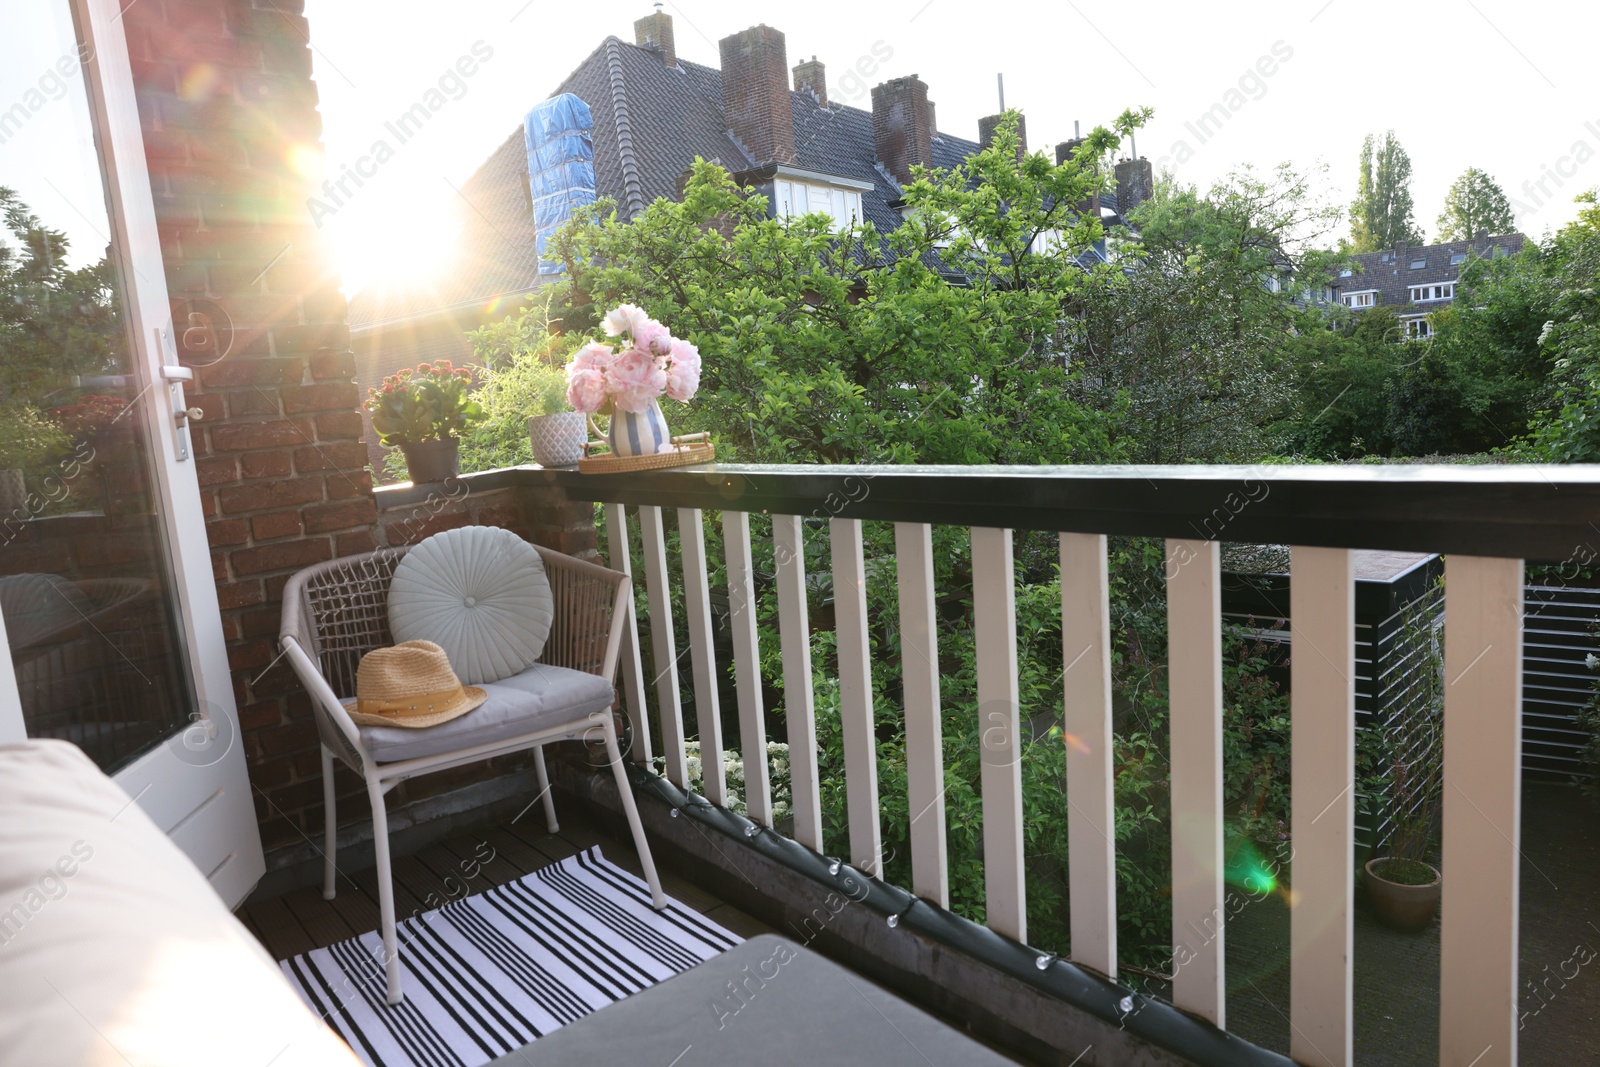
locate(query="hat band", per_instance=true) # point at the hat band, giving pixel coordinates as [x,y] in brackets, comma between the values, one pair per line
[412,707]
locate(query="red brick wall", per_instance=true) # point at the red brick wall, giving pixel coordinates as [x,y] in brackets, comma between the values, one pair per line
[227,100]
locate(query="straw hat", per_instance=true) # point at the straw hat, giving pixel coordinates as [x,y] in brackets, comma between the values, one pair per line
[410,684]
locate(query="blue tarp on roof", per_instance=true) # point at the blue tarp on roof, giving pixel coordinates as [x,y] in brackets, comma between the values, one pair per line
[560,165]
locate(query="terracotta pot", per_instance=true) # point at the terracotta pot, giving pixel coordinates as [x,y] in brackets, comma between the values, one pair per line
[432,461]
[1405,907]
[557,439]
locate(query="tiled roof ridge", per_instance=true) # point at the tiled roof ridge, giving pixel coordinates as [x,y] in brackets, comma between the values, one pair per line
[619,109]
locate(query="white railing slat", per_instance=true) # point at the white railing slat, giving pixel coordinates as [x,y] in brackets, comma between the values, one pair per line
[799,704]
[702,658]
[663,647]
[747,665]
[1482,811]
[919,666]
[994,606]
[1086,692]
[1194,654]
[855,695]
[632,669]
[1322,671]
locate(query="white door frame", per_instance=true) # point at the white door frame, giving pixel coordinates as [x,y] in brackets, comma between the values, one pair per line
[195,785]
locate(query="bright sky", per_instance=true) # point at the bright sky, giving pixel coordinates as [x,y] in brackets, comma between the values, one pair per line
[1478,83]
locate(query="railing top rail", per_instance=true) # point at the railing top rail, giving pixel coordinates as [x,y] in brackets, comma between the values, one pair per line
[1545,513]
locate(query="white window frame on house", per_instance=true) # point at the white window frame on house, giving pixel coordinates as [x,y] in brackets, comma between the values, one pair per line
[1417,328]
[1361,298]
[194,786]
[1457,258]
[1427,294]
[796,193]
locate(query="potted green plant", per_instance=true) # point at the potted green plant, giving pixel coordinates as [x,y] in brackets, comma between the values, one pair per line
[555,431]
[423,413]
[1402,886]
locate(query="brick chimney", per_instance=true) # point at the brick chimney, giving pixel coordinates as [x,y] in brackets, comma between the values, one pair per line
[1064,151]
[755,93]
[808,74]
[902,125]
[990,123]
[655,31]
[1136,183]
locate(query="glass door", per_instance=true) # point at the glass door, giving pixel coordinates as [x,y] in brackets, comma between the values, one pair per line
[110,617]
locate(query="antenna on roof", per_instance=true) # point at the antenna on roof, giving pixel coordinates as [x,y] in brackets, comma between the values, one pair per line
[1076,136]
[1000,80]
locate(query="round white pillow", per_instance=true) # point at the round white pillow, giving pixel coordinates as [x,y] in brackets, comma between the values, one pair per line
[478,592]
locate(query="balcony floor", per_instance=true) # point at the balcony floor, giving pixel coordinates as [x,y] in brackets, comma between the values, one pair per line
[300,920]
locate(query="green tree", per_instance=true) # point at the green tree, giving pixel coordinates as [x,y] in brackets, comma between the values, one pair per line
[831,346]
[1569,432]
[1381,216]
[1475,202]
[1194,334]
[55,321]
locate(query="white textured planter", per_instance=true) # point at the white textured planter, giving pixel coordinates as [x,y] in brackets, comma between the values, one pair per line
[557,439]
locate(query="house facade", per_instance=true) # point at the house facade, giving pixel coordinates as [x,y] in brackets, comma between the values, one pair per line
[1415,280]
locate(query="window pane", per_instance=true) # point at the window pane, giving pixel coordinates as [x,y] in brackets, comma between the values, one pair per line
[84,585]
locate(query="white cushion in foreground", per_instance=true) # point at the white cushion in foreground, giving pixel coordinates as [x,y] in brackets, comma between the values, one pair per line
[114,949]
[478,592]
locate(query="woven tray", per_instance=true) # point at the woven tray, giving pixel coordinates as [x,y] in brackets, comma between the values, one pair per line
[688,449]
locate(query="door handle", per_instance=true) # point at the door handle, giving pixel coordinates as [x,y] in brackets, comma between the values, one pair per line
[175,374]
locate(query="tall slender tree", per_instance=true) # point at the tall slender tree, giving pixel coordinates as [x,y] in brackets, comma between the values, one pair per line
[1475,202]
[1381,216]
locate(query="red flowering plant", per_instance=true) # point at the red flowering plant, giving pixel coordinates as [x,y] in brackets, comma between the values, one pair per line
[90,416]
[431,403]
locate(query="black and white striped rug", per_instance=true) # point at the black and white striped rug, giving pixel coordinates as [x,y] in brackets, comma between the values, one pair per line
[489,973]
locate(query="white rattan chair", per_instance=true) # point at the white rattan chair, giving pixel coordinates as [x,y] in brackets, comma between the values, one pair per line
[336,612]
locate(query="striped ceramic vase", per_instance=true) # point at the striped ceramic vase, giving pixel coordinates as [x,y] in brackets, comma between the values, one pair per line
[641,433]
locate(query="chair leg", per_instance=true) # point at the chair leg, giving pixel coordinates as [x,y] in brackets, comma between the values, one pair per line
[380,843]
[330,827]
[629,808]
[543,777]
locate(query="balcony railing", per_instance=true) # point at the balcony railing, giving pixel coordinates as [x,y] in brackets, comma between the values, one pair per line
[1487,520]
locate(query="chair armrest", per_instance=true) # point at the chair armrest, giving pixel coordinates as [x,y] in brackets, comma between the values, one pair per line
[334,725]
[590,605]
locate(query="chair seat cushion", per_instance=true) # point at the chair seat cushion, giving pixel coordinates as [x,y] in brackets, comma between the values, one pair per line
[540,697]
[478,592]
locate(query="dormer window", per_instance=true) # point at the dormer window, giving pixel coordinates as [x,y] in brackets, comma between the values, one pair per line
[1364,299]
[1423,293]
[800,193]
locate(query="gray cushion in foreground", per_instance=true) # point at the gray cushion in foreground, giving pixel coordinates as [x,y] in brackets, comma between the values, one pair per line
[539,697]
[796,1008]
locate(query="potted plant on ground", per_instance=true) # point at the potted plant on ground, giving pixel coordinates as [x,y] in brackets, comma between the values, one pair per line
[423,413]
[555,431]
[1402,886]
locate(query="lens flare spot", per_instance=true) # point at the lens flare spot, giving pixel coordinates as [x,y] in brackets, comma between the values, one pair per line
[1245,868]
[197,82]
[305,160]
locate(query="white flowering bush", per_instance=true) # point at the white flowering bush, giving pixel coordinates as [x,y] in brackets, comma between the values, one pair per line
[733,762]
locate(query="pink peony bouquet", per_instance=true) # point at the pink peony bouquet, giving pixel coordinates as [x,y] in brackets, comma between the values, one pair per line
[647,363]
